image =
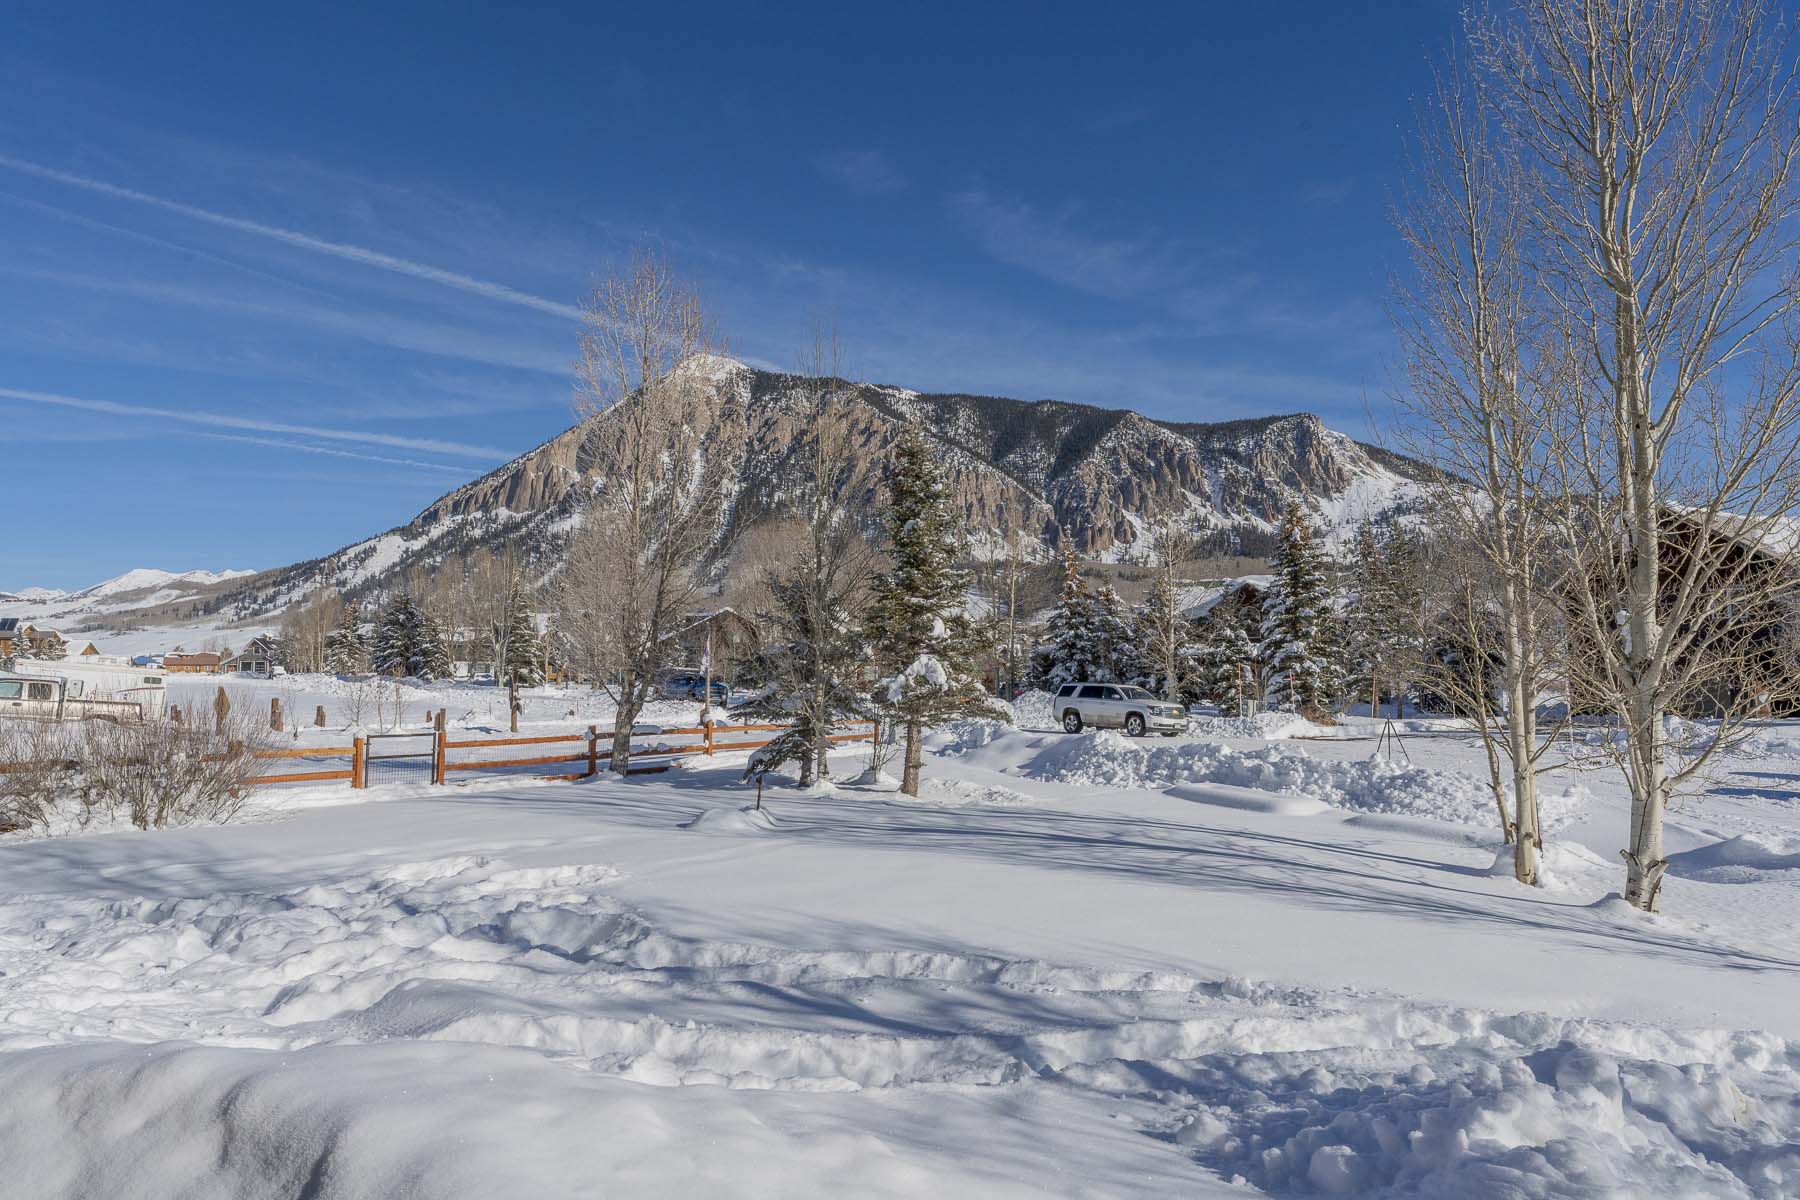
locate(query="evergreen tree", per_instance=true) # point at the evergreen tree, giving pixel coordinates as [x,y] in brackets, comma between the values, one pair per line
[809,666]
[1384,622]
[518,652]
[1298,624]
[53,648]
[1365,631]
[346,652]
[1115,640]
[1229,670]
[1071,650]
[22,649]
[915,618]
[407,642]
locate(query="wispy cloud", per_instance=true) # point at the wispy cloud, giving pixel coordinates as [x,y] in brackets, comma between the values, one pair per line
[303,241]
[250,439]
[866,172]
[1049,244]
[425,337]
[255,425]
[1329,192]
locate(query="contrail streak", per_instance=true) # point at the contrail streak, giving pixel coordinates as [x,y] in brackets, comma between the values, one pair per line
[343,250]
[224,421]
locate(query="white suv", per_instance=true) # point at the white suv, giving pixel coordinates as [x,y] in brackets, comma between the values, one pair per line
[1117,706]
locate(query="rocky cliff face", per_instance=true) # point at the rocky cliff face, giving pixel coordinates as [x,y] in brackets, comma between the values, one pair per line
[1048,472]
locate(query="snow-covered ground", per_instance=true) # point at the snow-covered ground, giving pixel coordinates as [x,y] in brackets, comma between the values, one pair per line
[1246,962]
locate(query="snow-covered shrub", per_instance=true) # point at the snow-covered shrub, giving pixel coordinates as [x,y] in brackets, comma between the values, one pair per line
[151,774]
[33,756]
[159,773]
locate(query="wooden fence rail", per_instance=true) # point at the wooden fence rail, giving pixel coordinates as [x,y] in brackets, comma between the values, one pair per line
[591,757]
[357,773]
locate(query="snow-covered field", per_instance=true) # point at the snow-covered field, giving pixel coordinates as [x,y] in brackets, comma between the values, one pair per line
[1246,962]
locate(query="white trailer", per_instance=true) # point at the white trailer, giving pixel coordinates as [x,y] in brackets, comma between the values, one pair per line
[72,691]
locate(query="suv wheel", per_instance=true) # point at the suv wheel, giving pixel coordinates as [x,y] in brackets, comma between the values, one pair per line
[1071,722]
[1134,724]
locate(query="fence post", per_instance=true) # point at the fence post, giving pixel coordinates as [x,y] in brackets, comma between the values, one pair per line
[709,740]
[437,762]
[275,714]
[319,717]
[593,749]
[359,766]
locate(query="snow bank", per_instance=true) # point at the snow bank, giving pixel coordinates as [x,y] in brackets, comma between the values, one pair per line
[1108,759]
[1269,726]
[1746,858]
[1035,710]
[1564,1121]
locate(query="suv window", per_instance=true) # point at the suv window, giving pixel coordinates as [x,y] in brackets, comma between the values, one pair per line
[1137,693]
[1067,689]
[40,691]
[1112,693]
[1090,692]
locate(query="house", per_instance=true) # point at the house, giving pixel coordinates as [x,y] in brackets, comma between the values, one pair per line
[255,661]
[13,632]
[203,663]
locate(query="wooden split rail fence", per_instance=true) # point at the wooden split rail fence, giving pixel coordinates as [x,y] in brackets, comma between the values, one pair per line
[590,756]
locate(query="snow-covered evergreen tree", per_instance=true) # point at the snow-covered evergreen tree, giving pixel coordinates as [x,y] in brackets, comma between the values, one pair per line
[1115,640]
[52,648]
[346,652]
[1299,640]
[915,618]
[1064,652]
[408,642]
[22,649]
[1228,667]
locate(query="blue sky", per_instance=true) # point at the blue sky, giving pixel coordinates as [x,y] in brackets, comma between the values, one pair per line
[272,281]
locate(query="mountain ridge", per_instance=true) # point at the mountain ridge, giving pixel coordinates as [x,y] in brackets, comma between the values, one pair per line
[1048,472]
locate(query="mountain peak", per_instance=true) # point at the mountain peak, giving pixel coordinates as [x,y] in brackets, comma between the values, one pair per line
[1049,473]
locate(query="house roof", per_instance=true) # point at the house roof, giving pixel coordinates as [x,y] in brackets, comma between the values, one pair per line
[204,658]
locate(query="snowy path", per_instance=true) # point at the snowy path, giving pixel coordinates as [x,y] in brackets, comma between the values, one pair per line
[506,990]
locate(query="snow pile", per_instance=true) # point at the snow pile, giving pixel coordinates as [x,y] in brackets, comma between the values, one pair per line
[1035,710]
[1563,1120]
[961,737]
[1745,858]
[1108,759]
[749,819]
[1269,726]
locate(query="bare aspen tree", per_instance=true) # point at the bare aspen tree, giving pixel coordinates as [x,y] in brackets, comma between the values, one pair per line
[634,563]
[1165,636]
[1482,411]
[1661,137]
[306,627]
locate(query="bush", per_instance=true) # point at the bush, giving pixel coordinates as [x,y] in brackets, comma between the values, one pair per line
[153,773]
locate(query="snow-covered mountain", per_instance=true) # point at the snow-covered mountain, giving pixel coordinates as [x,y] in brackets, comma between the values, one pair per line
[139,590]
[1047,471]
